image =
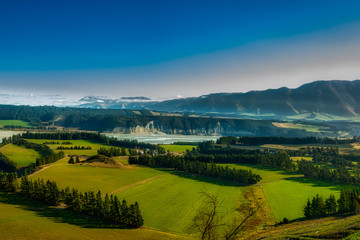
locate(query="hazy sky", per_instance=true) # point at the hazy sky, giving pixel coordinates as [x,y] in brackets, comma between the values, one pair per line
[163,49]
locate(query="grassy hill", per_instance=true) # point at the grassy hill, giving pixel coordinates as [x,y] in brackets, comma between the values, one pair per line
[21,156]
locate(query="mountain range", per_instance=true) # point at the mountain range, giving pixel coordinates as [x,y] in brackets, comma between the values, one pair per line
[329,100]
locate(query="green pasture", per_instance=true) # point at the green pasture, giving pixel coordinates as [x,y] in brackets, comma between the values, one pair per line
[297,159]
[22,218]
[169,203]
[15,123]
[94,145]
[22,156]
[177,148]
[86,178]
[287,198]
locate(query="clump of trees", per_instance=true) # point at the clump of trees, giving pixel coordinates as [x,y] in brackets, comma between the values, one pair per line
[340,174]
[74,148]
[317,207]
[196,167]
[112,151]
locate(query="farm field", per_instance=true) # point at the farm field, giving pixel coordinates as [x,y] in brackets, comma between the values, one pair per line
[287,198]
[86,178]
[22,156]
[15,123]
[177,148]
[22,218]
[94,146]
[306,127]
[167,201]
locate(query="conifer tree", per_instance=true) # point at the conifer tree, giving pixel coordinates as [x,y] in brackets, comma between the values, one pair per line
[330,204]
[71,160]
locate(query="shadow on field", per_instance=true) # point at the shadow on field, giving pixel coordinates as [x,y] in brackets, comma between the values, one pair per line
[316,183]
[270,169]
[58,215]
[202,178]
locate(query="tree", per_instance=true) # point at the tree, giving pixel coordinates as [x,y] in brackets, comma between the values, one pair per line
[330,204]
[207,220]
[71,160]
[243,213]
[307,209]
[77,159]
[208,223]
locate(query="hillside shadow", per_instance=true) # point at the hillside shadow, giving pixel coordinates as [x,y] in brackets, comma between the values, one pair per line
[266,168]
[57,215]
[317,183]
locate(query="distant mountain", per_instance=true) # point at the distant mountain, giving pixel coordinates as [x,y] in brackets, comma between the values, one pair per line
[330,99]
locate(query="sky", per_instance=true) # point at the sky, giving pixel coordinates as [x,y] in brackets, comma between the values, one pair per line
[168,49]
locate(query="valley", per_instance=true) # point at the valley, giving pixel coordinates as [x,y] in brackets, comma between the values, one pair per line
[168,199]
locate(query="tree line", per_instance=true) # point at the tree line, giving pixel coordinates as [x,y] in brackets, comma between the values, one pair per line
[205,169]
[74,148]
[89,203]
[6,164]
[255,141]
[346,203]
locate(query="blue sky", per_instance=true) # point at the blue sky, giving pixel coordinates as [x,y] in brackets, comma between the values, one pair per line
[166,48]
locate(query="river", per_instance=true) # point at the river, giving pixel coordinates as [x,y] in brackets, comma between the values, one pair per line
[162,139]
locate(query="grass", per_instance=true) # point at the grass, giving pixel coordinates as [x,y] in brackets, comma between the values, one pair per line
[169,203]
[22,156]
[177,148]
[323,228]
[297,159]
[22,218]
[94,178]
[94,145]
[287,198]
[15,123]
[306,127]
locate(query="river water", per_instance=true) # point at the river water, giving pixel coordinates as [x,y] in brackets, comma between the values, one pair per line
[162,139]
[6,134]
[153,138]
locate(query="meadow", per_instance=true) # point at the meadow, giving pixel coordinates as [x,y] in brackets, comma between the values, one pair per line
[288,197]
[94,146]
[167,201]
[177,148]
[19,123]
[85,177]
[21,156]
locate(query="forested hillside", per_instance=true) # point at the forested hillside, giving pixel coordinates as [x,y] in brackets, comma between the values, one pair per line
[145,121]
